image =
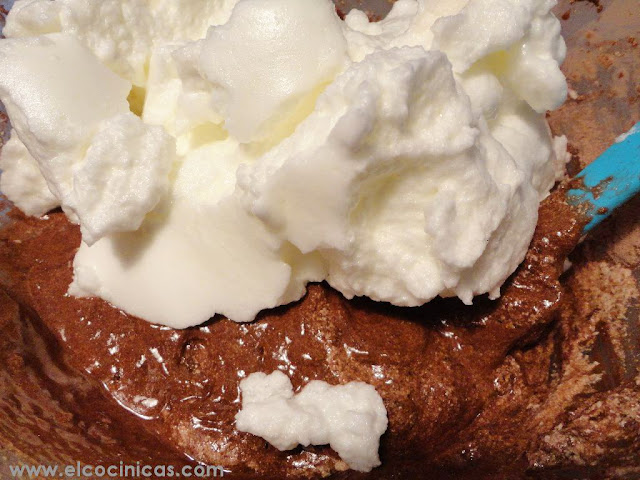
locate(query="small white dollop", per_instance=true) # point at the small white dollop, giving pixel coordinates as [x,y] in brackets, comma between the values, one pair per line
[350,418]
[146,401]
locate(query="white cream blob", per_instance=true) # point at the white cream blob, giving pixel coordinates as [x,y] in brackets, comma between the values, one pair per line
[278,145]
[104,165]
[265,61]
[350,418]
[397,185]
[203,248]
[121,33]
[129,161]
[22,181]
[55,109]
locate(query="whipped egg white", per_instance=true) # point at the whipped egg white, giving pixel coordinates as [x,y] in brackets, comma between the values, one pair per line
[218,155]
[350,417]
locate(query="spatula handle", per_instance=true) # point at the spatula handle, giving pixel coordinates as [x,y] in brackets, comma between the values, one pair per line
[611,179]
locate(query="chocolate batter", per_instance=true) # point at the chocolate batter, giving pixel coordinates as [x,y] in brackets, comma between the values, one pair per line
[438,368]
[542,383]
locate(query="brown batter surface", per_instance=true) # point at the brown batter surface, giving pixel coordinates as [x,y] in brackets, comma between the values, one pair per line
[542,383]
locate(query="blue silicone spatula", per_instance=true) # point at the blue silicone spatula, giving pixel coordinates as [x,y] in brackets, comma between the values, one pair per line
[611,179]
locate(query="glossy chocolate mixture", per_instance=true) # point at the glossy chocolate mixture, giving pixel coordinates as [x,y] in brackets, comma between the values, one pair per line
[435,367]
[541,383]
